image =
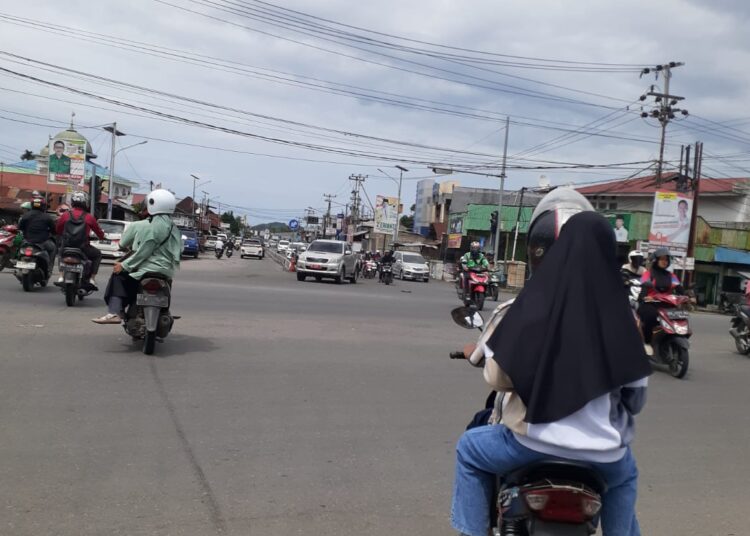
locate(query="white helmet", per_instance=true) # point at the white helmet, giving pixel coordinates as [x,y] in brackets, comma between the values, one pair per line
[79,199]
[160,202]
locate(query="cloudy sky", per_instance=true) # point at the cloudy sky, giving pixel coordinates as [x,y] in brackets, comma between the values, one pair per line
[279,103]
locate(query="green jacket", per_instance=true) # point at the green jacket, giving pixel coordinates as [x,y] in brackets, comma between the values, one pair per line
[481,262]
[59,165]
[144,238]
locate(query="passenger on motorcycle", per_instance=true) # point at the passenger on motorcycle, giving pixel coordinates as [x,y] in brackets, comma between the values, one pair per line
[38,228]
[75,226]
[657,280]
[472,260]
[156,246]
[573,371]
[634,268]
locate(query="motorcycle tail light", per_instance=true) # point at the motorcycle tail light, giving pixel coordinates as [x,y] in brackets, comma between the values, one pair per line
[563,504]
[29,252]
[152,286]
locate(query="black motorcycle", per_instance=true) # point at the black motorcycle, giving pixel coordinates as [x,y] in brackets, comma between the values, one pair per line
[545,498]
[33,266]
[386,273]
[76,272]
[741,329]
[149,317]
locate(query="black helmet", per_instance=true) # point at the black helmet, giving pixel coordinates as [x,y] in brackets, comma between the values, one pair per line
[39,203]
[662,252]
[552,212]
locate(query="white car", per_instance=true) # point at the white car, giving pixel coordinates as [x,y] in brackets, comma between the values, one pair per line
[331,259]
[411,266]
[251,248]
[110,245]
[283,246]
[210,242]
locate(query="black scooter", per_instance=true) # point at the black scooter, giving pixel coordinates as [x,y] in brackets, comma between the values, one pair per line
[33,266]
[741,329]
[546,498]
[76,272]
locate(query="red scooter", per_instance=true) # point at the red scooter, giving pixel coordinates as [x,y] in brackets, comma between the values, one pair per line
[8,249]
[478,284]
[670,341]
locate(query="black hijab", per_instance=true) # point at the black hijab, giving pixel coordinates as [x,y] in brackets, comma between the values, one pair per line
[570,336]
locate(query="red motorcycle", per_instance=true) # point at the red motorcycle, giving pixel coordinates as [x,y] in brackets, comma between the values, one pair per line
[8,249]
[670,341]
[478,285]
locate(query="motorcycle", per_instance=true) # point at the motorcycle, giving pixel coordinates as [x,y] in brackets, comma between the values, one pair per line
[741,329]
[32,267]
[478,285]
[229,250]
[219,252]
[545,498]
[149,317]
[8,246]
[496,280]
[386,273]
[76,272]
[371,269]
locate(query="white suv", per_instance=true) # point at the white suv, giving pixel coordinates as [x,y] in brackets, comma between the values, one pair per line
[282,246]
[251,248]
[330,259]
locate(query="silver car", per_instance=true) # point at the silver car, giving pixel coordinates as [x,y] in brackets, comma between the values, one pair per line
[110,245]
[411,266]
[331,259]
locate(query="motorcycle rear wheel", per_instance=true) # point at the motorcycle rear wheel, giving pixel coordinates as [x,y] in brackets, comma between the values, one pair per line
[743,345]
[70,295]
[27,282]
[149,342]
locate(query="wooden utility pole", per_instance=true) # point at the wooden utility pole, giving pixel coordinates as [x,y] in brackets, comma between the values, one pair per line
[328,198]
[498,232]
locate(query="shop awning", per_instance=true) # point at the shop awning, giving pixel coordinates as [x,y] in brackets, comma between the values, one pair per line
[732,256]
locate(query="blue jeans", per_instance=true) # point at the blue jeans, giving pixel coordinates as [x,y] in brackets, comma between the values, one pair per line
[487,451]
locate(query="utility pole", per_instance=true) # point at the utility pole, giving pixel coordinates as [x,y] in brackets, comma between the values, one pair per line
[697,165]
[518,223]
[113,130]
[502,193]
[356,200]
[664,111]
[398,203]
[328,198]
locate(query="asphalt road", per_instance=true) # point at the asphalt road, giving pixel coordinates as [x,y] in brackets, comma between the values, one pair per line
[279,407]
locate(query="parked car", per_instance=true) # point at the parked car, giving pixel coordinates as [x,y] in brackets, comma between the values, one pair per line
[282,246]
[190,244]
[110,245]
[211,242]
[251,248]
[330,259]
[411,266]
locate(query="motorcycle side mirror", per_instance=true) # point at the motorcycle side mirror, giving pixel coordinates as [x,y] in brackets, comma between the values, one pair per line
[347,252]
[467,317]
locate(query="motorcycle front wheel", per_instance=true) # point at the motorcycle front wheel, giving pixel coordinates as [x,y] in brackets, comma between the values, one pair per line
[678,365]
[479,300]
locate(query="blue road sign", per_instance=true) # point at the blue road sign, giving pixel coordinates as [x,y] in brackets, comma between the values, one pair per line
[293,224]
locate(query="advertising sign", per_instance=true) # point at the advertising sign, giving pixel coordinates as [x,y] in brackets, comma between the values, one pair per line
[456,224]
[454,240]
[386,214]
[67,162]
[621,225]
[670,222]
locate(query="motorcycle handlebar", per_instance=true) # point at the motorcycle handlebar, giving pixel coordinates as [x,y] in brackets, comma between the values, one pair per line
[457,355]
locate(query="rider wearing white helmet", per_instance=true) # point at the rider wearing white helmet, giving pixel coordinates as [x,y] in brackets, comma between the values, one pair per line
[156,244]
[635,266]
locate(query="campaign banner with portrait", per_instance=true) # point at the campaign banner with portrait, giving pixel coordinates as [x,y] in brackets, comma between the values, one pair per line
[671,218]
[67,162]
[454,240]
[386,214]
[621,225]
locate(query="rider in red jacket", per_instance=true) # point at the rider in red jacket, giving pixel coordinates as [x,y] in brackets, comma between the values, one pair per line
[656,280]
[79,203]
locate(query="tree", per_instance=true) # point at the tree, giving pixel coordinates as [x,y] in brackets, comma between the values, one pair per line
[235,222]
[407,222]
[28,155]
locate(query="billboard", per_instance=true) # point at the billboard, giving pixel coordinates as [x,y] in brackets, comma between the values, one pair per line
[670,221]
[621,225]
[67,163]
[386,214]
[454,240]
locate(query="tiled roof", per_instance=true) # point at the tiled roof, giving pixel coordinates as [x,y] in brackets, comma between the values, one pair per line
[647,185]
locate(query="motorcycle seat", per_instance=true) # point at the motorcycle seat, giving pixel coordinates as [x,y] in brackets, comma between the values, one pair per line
[155,275]
[73,252]
[558,470]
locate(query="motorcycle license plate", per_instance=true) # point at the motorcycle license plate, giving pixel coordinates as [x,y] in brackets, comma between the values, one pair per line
[78,268]
[107,242]
[26,265]
[153,300]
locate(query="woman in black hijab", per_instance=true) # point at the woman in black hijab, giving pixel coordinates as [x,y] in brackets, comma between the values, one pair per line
[569,358]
